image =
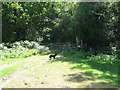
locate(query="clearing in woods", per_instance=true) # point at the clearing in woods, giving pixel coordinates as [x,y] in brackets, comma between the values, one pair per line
[62,72]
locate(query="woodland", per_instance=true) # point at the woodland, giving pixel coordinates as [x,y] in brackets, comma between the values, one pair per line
[85,36]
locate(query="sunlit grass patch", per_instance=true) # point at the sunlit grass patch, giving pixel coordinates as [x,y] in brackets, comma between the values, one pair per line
[94,69]
[10,70]
[12,60]
[95,84]
[47,75]
[9,60]
[31,62]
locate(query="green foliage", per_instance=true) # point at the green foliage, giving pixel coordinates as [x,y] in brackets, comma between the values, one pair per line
[42,49]
[90,56]
[81,54]
[24,20]
[25,44]
[15,53]
[21,49]
[104,58]
[95,23]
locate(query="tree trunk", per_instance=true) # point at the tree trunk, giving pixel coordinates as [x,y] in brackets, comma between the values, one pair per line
[68,46]
[77,40]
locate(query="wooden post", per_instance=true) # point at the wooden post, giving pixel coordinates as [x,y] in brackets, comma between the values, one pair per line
[68,45]
[77,40]
[81,44]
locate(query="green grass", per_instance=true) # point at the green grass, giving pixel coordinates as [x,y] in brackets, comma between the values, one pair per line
[9,60]
[10,70]
[95,69]
[61,74]
[69,71]
[29,63]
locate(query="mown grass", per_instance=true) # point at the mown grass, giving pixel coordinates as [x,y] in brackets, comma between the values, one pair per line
[49,75]
[10,70]
[70,71]
[28,63]
[9,60]
[94,69]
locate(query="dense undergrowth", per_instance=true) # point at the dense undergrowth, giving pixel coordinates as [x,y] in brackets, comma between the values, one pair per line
[90,56]
[21,49]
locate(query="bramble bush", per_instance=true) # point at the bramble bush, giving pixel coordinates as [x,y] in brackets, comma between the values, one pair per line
[21,49]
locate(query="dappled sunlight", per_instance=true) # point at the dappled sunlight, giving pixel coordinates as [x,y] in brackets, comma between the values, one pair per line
[77,77]
[95,84]
[103,74]
[60,45]
[65,72]
[99,84]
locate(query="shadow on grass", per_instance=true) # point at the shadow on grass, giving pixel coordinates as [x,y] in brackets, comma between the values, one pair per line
[101,85]
[92,69]
[78,77]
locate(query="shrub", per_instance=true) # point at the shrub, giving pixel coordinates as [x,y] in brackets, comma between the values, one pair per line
[91,56]
[104,58]
[81,54]
[21,49]
[2,46]
[42,49]
[25,44]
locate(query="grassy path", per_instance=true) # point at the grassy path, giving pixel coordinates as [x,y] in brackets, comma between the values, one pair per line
[63,72]
[18,75]
[14,70]
[16,62]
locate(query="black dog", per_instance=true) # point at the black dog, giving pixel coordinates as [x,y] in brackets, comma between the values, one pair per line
[53,55]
